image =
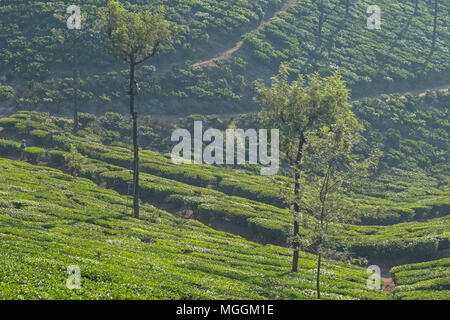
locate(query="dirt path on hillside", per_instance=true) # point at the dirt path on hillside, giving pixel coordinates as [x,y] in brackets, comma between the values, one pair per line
[226,55]
[388,285]
[422,93]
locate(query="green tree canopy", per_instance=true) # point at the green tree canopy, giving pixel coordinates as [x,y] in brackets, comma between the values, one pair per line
[302,106]
[135,36]
[300,110]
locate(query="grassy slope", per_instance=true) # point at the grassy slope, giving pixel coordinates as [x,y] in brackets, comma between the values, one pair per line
[50,220]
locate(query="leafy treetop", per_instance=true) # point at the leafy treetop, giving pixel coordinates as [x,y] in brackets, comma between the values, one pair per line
[135,37]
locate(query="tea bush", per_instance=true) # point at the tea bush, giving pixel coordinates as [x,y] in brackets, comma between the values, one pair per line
[35,153]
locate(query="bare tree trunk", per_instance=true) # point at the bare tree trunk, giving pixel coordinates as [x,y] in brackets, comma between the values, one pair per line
[323,200]
[319,247]
[321,20]
[132,67]
[435,24]
[75,83]
[416,6]
[135,145]
[136,168]
[319,261]
[296,195]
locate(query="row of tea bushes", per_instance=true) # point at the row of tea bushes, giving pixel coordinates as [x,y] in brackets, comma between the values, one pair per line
[423,281]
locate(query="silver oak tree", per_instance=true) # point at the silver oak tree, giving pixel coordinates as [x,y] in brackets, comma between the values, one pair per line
[135,37]
[331,173]
[297,109]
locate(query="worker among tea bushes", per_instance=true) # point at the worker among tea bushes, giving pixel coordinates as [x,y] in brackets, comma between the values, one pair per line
[22,150]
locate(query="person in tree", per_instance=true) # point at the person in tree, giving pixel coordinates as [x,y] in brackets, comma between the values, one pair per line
[23,145]
[135,89]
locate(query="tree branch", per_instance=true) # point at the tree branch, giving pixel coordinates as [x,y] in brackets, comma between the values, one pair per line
[155,48]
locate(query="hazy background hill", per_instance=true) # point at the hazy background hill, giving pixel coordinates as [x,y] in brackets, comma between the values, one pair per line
[249,38]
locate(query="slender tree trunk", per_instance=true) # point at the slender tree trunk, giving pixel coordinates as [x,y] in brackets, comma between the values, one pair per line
[321,10]
[75,102]
[296,226]
[323,200]
[75,83]
[319,261]
[296,195]
[135,145]
[136,168]
[132,67]
[435,23]
[347,7]
[319,249]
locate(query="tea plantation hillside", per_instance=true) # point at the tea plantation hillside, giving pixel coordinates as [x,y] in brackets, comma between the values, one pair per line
[388,221]
[50,220]
[363,150]
[36,46]
[406,50]
[407,53]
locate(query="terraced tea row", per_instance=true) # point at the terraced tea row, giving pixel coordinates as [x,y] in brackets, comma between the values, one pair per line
[50,220]
[423,281]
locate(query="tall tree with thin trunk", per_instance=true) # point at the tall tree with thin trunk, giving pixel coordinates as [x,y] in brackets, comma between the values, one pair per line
[134,37]
[321,10]
[76,81]
[324,9]
[435,16]
[73,32]
[416,6]
[330,173]
[297,109]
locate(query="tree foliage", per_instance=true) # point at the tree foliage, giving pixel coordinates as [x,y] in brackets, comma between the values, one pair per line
[300,111]
[302,106]
[135,36]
